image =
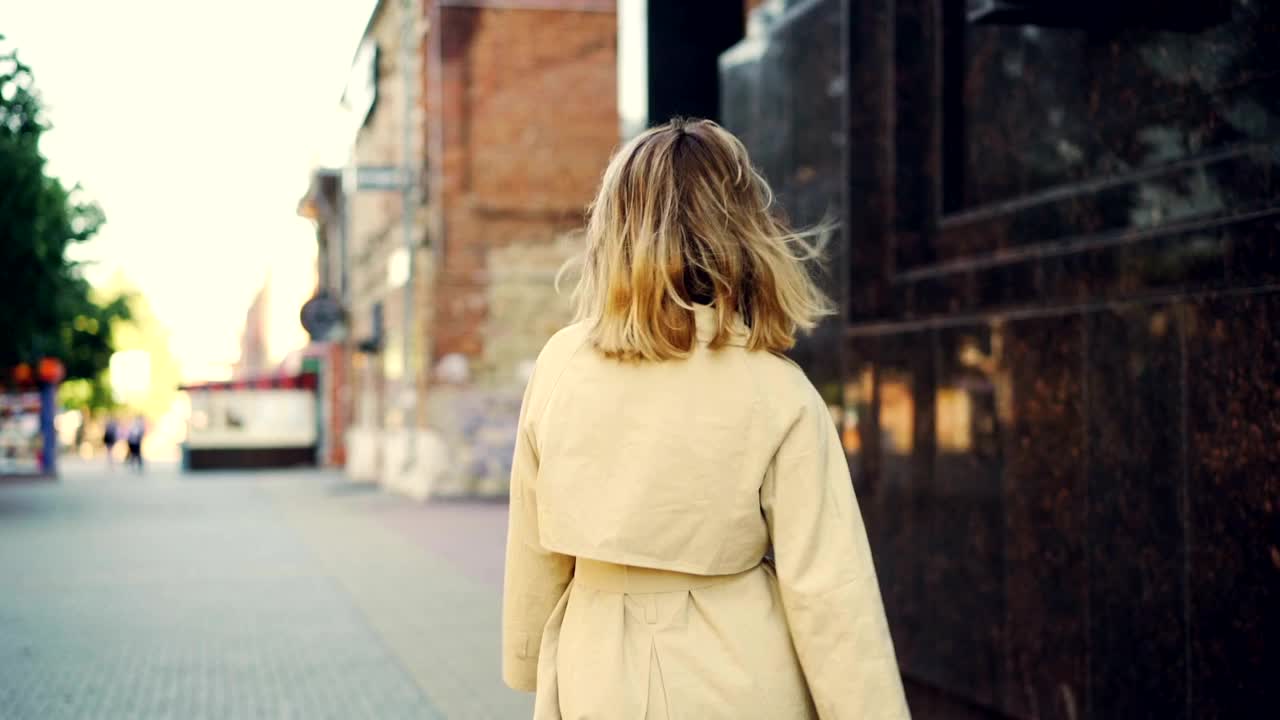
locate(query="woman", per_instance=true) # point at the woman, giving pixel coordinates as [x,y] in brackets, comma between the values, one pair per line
[109,437]
[664,446]
[134,441]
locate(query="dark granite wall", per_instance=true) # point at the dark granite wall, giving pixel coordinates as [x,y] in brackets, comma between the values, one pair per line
[1058,369]
[796,136]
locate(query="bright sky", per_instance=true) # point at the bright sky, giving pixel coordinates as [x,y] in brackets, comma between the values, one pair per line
[195,124]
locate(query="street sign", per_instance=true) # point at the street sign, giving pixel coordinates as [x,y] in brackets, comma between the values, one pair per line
[320,315]
[379,177]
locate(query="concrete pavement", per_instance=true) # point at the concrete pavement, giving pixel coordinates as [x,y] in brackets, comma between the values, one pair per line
[239,595]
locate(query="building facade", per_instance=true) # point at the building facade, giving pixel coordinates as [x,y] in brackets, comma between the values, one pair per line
[522,117]
[331,349]
[253,358]
[510,118]
[382,234]
[1057,365]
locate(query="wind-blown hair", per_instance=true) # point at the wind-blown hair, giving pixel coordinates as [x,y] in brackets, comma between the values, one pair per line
[682,218]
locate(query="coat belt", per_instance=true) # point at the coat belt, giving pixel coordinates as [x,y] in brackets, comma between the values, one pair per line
[630,579]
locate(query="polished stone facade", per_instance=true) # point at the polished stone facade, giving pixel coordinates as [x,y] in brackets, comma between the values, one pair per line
[1058,366]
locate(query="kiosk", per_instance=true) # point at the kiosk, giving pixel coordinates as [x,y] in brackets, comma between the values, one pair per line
[263,422]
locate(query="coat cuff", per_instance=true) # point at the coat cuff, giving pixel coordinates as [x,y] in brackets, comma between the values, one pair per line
[520,675]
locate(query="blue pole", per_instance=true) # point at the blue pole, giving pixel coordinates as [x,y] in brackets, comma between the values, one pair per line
[48,404]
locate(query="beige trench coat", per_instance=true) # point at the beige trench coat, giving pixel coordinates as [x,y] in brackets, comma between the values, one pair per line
[691,469]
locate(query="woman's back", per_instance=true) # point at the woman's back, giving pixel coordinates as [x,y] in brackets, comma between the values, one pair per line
[665,445]
[660,464]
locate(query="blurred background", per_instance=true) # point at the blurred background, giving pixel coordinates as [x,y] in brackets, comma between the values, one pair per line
[273,276]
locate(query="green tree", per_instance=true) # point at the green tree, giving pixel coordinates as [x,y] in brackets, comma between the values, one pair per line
[46,309]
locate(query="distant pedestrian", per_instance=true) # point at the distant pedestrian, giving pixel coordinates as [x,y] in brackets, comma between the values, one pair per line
[110,435]
[684,539]
[134,440]
[82,433]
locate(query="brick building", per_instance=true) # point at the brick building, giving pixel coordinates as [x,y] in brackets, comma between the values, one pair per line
[521,113]
[512,118]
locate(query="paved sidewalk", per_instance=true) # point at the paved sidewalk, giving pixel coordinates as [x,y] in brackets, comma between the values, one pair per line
[288,595]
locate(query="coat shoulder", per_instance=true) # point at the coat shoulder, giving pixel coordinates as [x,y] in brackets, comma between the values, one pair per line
[554,358]
[784,387]
[563,345]
[781,376]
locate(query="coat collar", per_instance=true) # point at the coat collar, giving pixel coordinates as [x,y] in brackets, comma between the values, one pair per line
[704,318]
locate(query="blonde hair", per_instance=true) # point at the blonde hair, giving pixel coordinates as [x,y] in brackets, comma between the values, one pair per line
[682,218]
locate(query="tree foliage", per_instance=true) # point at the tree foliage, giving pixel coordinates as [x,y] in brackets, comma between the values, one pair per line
[46,309]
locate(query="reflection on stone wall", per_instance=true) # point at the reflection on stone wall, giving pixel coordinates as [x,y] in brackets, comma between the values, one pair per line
[1050,106]
[1105,525]
[783,92]
[1060,396]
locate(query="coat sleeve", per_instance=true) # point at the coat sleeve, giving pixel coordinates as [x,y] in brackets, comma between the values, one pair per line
[535,577]
[826,575]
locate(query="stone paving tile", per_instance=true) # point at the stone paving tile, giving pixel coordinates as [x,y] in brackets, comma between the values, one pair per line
[232,596]
[469,535]
[439,614]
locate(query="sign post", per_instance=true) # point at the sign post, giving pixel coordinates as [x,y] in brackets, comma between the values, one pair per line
[408,51]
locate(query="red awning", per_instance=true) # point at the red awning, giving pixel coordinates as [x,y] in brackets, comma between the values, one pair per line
[275,381]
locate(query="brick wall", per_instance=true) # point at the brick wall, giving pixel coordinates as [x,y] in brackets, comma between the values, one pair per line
[527,107]
[524,308]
